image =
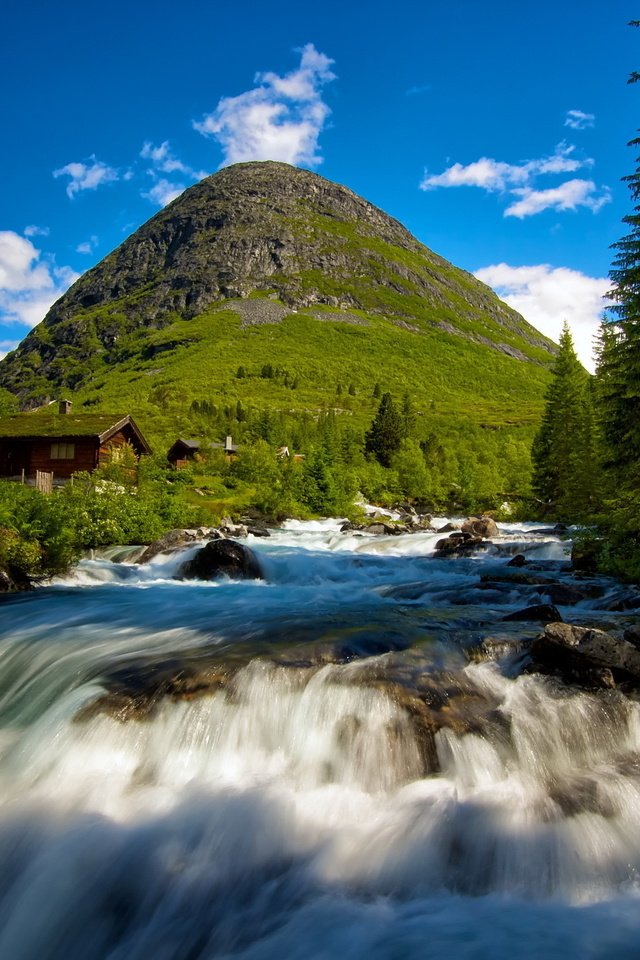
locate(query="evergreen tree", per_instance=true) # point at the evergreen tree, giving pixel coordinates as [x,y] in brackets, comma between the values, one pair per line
[385,435]
[563,451]
[377,392]
[241,373]
[619,360]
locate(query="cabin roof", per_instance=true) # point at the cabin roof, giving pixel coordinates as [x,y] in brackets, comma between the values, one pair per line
[190,444]
[100,426]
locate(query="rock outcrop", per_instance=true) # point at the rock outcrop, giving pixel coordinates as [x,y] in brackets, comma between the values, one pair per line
[222,558]
[588,657]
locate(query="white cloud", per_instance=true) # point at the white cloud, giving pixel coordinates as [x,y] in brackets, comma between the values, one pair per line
[279,120]
[28,283]
[546,296]
[33,231]
[518,181]
[164,160]
[579,120]
[163,192]
[88,246]
[86,176]
[493,175]
[568,196]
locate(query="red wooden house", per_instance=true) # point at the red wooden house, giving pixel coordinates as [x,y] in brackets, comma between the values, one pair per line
[63,443]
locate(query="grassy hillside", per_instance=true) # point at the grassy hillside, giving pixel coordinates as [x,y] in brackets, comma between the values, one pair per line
[268,290]
[158,373]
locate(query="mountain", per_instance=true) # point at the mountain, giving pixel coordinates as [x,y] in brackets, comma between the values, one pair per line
[266,264]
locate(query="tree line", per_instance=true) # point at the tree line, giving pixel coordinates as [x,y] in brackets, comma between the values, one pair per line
[586,454]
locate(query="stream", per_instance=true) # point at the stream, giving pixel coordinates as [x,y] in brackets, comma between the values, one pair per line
[347,759]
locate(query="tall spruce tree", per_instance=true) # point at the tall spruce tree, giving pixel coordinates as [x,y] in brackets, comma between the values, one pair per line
[564,449]
[385,435]
[619,361]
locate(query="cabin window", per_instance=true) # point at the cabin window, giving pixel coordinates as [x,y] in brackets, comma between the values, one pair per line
[63,451]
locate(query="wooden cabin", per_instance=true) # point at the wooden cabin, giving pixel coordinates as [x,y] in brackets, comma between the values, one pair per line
[184,451]
[63,443]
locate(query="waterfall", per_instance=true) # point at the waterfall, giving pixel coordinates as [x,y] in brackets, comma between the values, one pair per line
[309,766]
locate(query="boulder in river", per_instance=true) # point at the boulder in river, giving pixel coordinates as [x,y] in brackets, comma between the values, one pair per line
[589,657]
[222,558]
[457,544]
[481,527]
[538,611]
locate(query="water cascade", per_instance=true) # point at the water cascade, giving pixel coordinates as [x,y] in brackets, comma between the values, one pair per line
[320,764]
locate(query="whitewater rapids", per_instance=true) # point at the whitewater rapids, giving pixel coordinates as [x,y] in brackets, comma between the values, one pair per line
[292,810]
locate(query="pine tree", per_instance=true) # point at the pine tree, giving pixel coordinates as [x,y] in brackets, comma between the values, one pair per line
[385,435]
[563,451]
[619,361]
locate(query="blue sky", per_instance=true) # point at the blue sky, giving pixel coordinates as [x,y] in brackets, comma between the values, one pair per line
[495,132]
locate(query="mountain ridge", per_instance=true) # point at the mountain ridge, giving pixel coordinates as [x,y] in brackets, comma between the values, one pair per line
[272,246]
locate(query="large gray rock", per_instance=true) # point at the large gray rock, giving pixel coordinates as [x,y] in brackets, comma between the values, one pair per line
[581,654]
[460,544]
[538,611]
[481,527]
[222,558]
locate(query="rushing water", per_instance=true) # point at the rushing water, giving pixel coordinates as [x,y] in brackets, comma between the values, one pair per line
[294,797]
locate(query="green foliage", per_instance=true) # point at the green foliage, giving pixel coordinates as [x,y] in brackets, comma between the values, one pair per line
[385,435]
[42,534]
[565,459]
[618,393]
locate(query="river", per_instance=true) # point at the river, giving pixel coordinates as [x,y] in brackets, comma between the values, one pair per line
[317,765]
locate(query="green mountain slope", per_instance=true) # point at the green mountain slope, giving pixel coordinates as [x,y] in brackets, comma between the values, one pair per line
[264,264]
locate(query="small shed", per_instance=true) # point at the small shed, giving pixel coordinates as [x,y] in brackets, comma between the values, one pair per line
[184,451]
[63,443]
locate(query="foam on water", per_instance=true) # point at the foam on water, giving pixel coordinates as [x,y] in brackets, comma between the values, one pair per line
[290,814]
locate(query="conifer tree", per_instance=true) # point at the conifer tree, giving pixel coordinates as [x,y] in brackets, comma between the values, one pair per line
[619,361]
[385,435]
[563,452]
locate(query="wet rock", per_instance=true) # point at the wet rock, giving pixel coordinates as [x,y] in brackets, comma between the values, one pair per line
[377,527]
[457,544]
[518,561]
[501,574]
[258,530]
[137,696]
[222,558]
[481,527]
[174,540]
[580,794]
[538,611]
[422,523]
[237,531]
[624,600]
[406,591]
[591,657]
[565,594]
[497,648]
[449,528]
